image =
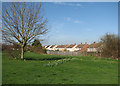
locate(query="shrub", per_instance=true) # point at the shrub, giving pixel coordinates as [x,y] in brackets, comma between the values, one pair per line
[13,51]
[37,50]
[27,48]
[44,51]
[36,47]
[57,50]
[110,46]
[37,43]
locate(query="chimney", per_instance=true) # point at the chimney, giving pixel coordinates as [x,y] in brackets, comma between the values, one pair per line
[85,42]
[81,42]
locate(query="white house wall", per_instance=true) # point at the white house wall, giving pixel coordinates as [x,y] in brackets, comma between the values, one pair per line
[54,48]
[61,49]
[91,49]
[77,49]
[49,48]
[71,49]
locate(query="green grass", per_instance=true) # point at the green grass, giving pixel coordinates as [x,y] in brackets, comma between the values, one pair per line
[79,70]
[35,56]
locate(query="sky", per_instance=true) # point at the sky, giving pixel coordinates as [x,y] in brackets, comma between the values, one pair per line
[78,22]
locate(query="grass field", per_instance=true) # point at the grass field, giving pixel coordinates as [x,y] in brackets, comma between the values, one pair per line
[51,69]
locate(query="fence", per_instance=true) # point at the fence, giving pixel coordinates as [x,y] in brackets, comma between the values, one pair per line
[73,53]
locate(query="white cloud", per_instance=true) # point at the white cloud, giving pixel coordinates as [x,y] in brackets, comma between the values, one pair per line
[77,21]
[68,19]
[78,5]
[73,20]
[68,4]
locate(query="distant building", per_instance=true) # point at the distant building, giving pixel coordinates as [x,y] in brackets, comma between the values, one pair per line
[61,47]
[94,47]
[81,47]
[48,47]
[44,46]
[53,47]
[71,47]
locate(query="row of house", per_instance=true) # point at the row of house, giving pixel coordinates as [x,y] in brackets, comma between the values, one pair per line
[74,47]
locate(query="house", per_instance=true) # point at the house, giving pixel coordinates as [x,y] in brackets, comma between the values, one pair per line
[94,47]
[84,48]
[81,47]
[53,47]
[48,47]
[61,47]
[71,47]
[44,46]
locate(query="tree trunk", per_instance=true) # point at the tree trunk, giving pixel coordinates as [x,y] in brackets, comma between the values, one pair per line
[22,52]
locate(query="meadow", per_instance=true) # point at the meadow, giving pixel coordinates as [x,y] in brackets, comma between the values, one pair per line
[53,69]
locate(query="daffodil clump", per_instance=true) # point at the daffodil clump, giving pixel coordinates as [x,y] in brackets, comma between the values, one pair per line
[57,62]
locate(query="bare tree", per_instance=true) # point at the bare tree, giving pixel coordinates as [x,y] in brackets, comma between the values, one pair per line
[110,45]
[22,22]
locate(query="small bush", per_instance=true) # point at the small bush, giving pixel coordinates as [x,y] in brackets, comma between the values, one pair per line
[38,50]
[44,51]
[36,47]
[57,50]
[13,51]
[110,46]
[27,48]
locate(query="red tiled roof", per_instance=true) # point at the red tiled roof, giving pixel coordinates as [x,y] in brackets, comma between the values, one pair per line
[44,46]
[95,45]
[47,46]
[83,46]
[80,45]
[52,46]
[61,46]
[72,45]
